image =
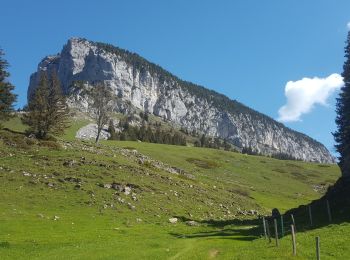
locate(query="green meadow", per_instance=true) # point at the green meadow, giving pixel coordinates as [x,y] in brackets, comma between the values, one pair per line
[69,201]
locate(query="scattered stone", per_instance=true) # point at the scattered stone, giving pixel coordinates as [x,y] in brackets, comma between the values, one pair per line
[121,200]
[56,174]
[192,223]
[107,186]
[26,174]
[253,212]
[69,163]
[117,186]
[56,218]
[40,215]
[133,196]
[173,220]
[132,207]
[127,190]
[73,179]
[319,188]
[138,220]
[50,184]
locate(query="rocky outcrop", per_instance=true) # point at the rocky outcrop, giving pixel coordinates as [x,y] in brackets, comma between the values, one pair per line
[89,132]
[146,86]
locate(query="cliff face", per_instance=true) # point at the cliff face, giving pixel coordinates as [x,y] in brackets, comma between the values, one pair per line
[150,88]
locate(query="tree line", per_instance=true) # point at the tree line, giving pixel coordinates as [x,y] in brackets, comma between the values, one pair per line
[145,134]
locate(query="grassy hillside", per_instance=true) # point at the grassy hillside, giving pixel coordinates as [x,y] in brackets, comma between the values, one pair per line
[56,201]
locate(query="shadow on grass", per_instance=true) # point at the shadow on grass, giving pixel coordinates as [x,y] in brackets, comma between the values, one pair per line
[249,229]
[235,229]
[339,208]
[13,131]
[223,223]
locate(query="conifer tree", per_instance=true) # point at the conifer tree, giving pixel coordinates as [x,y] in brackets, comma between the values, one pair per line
[111,130]
[203,140]
[47,109]
[7,98]
[342,135]
[58,108]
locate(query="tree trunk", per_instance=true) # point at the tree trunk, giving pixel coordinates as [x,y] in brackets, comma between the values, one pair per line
[99,129]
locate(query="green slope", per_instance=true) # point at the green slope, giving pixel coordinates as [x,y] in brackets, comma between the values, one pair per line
[39,181]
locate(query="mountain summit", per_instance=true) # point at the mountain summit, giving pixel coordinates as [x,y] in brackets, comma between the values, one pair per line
[146,86]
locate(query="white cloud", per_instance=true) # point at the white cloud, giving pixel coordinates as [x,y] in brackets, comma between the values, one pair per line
[303,94]
[348,25]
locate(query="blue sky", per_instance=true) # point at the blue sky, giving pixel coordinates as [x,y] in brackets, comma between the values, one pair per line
[245,49]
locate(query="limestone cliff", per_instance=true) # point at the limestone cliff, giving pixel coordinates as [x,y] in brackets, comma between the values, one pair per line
[148,87]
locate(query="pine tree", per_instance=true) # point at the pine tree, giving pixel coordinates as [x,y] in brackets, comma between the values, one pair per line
[226,145]
[142,133]
[158,136]
[150,135]
[111,130]
[342,135]
[203,140]
[7,98]
[47,109]
[58,108]
[123,136]
[197,143]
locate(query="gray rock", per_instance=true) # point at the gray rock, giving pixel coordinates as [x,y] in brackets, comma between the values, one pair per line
[132,207]
[90,132]
[107,186]
[170,99]
[192,223]
[127,190]
[117,187]
[27,174]
[173,220]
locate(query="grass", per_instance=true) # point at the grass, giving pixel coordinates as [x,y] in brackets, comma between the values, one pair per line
[40,182]
[75,125]
[15,124]
[271,182]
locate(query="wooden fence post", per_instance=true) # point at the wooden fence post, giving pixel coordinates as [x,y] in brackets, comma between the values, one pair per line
[329,211]
[276,232]
[268,230]
[318,248]
[310,215]
[293,221]
[282,226]
[264,225]
[293,240]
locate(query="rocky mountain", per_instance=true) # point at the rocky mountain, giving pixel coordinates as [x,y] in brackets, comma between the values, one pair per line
[141,84]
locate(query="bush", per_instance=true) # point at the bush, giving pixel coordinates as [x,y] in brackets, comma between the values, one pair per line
[50,144]
[16,140]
